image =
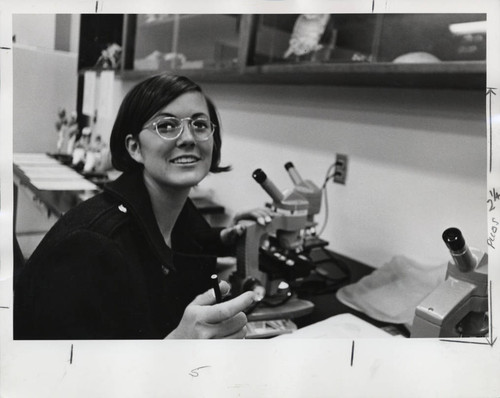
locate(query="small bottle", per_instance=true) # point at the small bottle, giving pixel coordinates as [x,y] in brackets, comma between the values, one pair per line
[460,252]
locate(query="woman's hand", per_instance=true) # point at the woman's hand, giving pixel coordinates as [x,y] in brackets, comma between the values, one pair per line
[204,319]
[262,216]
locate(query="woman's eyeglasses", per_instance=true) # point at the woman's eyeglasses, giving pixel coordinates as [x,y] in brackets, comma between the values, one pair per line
[171,128]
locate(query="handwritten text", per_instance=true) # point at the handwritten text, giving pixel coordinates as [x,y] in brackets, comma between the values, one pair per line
[493,232]
[195,372]
[494,197]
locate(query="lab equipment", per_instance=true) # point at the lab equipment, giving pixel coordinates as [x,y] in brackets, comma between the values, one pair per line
[458,307]
[270,256]
[312,193]
[307,189]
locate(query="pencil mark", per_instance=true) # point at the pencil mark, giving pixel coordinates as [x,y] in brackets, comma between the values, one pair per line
[352,353]
[491,339]
[491,309]
[466,342]
[489,91]
[373,5]
[5,48]
[5,308]
[96,6]
[194,372]
[71,355]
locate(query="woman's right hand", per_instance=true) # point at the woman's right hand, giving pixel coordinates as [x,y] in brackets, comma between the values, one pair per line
[204,319]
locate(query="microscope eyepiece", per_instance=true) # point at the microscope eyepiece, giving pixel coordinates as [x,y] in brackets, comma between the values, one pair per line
[293,173]
[259,176]
[453,239]
[267,185]
[460,252]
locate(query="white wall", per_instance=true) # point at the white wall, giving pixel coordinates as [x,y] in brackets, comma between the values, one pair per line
[417,161]
[37,30]
[44,81]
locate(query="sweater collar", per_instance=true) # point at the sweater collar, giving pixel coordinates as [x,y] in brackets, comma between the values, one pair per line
[129,188]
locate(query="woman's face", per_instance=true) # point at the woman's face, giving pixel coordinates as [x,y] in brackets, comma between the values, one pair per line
[181,162]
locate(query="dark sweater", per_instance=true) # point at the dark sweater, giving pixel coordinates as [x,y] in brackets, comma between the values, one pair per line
[104,271]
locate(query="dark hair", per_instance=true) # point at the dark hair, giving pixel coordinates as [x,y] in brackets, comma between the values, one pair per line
[141,103]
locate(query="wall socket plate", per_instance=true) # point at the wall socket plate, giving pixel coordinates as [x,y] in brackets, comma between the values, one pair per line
[340,169]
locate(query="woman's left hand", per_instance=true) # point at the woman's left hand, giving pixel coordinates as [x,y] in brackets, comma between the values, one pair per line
[262,216]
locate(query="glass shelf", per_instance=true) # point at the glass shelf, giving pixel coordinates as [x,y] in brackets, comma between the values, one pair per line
[395,50]
[179,42]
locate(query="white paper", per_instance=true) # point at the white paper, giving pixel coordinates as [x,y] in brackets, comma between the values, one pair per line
[105,107]
[89,88]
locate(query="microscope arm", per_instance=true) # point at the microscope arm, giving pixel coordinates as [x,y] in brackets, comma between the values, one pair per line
[247,247]
[247,250]
[247,268]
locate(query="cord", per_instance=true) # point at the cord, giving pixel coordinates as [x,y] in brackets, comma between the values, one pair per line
[329,175]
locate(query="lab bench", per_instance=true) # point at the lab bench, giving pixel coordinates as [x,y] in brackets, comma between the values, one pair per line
[316,302]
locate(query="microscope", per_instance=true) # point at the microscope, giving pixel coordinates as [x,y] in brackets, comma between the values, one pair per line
[268,257]
[459,305]
[312,194]
[328,273]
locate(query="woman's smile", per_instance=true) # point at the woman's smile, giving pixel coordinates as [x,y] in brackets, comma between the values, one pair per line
[185,160]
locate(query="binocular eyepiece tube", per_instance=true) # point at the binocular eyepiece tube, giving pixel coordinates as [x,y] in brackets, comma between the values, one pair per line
[293,173]
[460,252]
[267,185]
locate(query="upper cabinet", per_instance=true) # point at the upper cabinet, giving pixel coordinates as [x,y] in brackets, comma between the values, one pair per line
[372,38]
[398,50]
[172,42]
[99,34]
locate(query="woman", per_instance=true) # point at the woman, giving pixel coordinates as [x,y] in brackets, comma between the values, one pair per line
[135,261]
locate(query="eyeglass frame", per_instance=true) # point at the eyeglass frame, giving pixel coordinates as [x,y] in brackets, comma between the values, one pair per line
[155,125]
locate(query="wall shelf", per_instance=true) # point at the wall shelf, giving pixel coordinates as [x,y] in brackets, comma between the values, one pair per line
[451,75]
[248,49]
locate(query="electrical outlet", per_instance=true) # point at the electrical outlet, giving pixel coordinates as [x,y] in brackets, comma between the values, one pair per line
[340,169]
